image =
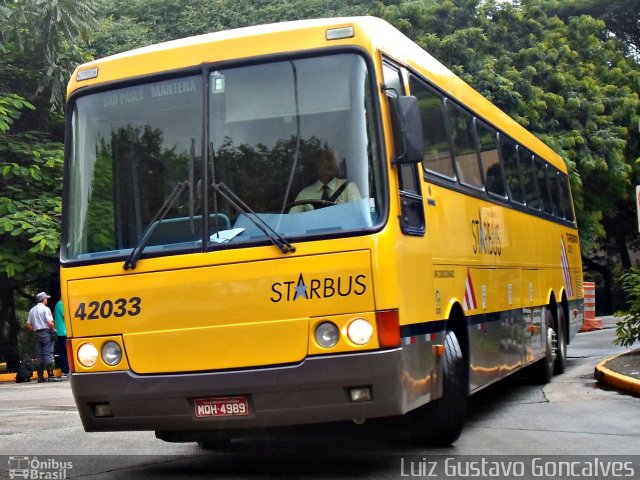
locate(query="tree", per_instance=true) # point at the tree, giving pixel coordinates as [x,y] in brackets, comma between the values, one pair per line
[566,80]
[127,24]
[48,34]
[628,329]
[39,45]
[30,207]
[622,18]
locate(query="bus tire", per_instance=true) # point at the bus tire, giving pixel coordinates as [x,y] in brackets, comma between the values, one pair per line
[560,363]
[439,423]
[542,370]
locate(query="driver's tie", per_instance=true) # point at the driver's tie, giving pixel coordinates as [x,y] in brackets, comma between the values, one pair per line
[325,193]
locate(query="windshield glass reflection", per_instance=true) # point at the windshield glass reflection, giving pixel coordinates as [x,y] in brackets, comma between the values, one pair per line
[294,141]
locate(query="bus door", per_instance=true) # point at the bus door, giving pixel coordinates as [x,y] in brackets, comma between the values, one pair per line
[414,259]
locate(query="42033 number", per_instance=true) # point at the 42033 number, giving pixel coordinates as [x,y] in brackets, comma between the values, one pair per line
[118,308]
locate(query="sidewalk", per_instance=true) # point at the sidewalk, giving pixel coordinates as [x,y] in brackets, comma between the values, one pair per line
[621,371]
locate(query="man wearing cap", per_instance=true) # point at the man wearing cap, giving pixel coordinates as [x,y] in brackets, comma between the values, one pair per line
[40,322]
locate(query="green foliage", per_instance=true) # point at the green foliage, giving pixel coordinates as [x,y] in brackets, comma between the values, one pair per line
[628,329]
[564,79]
[10,110]
[30,195]
[30,208]
[621,16]
[127,24]
[16,219]
[49,34]
[240,162]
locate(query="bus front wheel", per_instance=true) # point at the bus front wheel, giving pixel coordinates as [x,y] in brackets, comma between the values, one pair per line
[439,423]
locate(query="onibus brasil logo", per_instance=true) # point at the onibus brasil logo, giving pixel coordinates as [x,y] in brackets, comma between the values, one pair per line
[35,468]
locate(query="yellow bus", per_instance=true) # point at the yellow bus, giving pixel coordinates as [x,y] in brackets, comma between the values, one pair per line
[305,222]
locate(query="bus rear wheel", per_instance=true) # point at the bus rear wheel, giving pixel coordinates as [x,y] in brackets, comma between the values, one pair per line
[439,423]
[542,371]
[561,344]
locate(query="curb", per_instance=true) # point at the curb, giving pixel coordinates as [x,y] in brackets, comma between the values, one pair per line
[11,377]
[614,379]
[7,377]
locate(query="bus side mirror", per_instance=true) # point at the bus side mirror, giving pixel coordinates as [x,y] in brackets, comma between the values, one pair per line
[408,130]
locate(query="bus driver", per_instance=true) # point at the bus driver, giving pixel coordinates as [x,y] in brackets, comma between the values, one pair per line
[328,187]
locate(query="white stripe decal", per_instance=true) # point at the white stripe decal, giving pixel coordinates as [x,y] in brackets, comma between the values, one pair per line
[469,295]
[566,272]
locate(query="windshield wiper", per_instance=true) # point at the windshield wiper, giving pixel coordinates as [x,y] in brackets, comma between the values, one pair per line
[134,256]
[237,203]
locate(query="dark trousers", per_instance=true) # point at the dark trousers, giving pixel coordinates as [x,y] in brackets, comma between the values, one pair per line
[61,352]
[44,353]
[44,347]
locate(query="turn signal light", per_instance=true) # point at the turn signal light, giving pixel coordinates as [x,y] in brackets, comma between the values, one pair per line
[388,323]
[70,356]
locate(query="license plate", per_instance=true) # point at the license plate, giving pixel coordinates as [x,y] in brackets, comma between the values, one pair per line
[222,407]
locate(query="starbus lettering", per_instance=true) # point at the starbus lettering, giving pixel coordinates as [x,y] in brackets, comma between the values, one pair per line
[318,288]
[571,238]
[486,236]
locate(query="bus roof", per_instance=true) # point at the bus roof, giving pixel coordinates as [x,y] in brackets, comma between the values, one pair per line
[370,33]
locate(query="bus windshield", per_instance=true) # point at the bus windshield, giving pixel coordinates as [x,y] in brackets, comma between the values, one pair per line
[288,144]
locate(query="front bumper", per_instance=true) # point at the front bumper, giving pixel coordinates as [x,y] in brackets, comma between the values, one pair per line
[314,391]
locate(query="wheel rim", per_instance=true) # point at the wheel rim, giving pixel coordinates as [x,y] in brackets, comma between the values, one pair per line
[552,343]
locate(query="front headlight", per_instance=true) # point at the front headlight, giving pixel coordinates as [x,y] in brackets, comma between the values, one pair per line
[111,353]
[87,355]
[360,331]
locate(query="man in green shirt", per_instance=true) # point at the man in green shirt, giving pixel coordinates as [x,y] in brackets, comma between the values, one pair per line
[61,341]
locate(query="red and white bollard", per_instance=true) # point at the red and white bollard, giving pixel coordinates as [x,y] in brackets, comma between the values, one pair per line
[590,320]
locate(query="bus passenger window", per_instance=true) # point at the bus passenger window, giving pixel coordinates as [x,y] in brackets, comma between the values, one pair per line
[464,146]
[556,192]
[509,153]
[488,143]
[543,186]
[437,154]
[531,192]
[566,198]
